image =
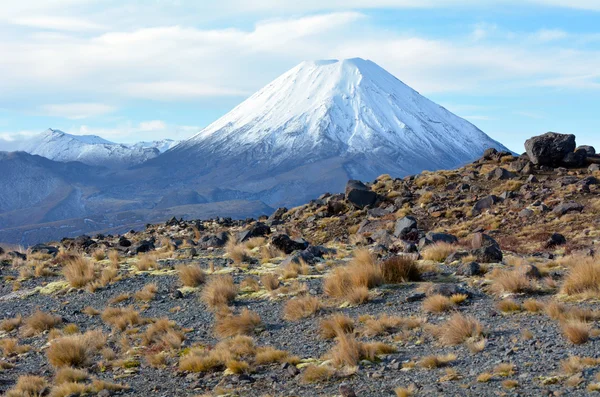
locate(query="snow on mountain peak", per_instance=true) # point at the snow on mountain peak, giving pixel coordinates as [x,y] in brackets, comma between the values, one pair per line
[353,105]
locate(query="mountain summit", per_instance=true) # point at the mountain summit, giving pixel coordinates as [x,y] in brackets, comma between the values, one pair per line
[348,117]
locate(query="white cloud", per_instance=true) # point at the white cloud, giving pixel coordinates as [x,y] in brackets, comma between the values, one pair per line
[177,90]
[550,34]
[129,132]
[58,23]
[76,111]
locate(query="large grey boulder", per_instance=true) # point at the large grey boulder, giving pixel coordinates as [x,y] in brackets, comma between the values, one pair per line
[359,195]
[550,149]
[404,226]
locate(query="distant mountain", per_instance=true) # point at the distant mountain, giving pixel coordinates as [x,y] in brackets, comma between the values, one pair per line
[92,150]
[317,126]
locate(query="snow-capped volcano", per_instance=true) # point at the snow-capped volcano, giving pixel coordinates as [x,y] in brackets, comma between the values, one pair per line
[91,149]
[345,108]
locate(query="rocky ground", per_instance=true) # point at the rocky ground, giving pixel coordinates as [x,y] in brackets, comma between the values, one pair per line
[480,281]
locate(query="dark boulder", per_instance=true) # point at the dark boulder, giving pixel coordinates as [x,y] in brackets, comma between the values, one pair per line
[124,242]
[550,149]
[212,241]
[490,153]
[589,150]
[469,269]
[446,289]
[287,244]
[556,239]
[485,249]
[143,246]
[575,159]
[16,255]
[44,249]
[485,203]
[404,226]
[570,206]
[259,229]
[500,174]
[359,195]
[278,214]
[433,237]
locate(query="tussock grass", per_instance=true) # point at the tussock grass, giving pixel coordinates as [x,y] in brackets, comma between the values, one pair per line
[348,351]
[400,269]
[121,318]
[438,252]
[74,350]
[99,254]
[352,281]
[146,262]
[386,324]
[337,324]
[583,278]
[317,373]
[10,324]
[163,334]
[191,275]
[70,375]
[39,322]
[270,281]
[11,347]
[79,272]
[299,308]
[147,293]
[510,281]
[245,323]
[219,291]
[431,362]
[508,306]
[238,253]
[438,304]
[458,329]
[576,332]
[28,386]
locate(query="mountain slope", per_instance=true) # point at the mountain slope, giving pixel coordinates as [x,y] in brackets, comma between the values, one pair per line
[92,150]
[348,117]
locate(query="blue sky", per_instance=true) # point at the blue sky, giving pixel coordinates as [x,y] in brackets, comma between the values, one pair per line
[149,69]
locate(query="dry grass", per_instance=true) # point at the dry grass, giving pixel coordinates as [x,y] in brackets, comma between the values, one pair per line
[270,281]
[577,332]
[268,355]
[245,323]
[504,369]
[146,262]
[533,306]
[431,362]
[28,386]
[10,347]
[458,329]
[269,252]
[200,359]
[400,269]
[114,257]
[10,324]
[335,325]
[314,374]
[386,324]
[583,278]
[438,304]
[219,291]
[191,275]
[430,180]
[121,318]
[39,322]
[484,377]
[99,254]
[79,272]
[438,252]
[238,253]
[508,306]
[360,274]
[147,293]
[510,384]
[250,284]
[255,242]
[510,281]
[68,351]
[404,391]
[119,298]
[348,351]
[70,375]
[163,334]
[302,307]
[293,269]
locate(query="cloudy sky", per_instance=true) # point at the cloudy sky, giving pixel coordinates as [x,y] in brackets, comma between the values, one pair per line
[131,70]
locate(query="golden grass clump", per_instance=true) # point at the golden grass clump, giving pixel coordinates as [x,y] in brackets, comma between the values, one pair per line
[28,386]
[99,254]
[438,304]
[361,274]
[577,332]
[404,391]
[533,306]
[431,362]
[121,318]
[11,347]
[508,306]
[337,324]
[270,281]
[348,351]
[164,333]
[504,369]
[458,329]
[430,180]
[255,242]
[114,257]
[268,355]
[219,291]
[201,359]
[191,275]
[245,323]
[510,281]
[268,252]
[238,253]
[250,284]
[39,322]
[70,375]
[147,293]
[317,373]
[68,351]
[146,262]
[400,269]
[10,324]
[79,272]
[583,278]
[438,252]
[386,324]
[299,308]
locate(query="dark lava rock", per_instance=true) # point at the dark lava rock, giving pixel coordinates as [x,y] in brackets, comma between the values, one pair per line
[143,246]
[531,271]
[287,244]
[278,214]
[456,256]
[489,154]
[485,203]
[259,229]
[346,391]
[404,226]
[485,249]
[589,150]
[359,195]
[441,238]
[570,206]
[526,213]
[575,159]
[44,249]
[532,179]
[555,240]
[500,174]
[213,241]
[124,242]
[469,269]
[446,289]
[16,254]
[550,149]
